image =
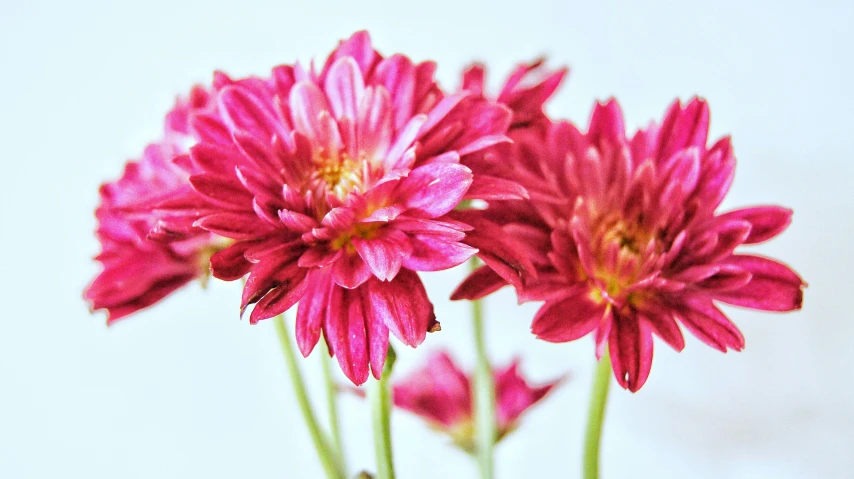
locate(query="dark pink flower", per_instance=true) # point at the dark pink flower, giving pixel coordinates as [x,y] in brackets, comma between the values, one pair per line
[142,262]
[138,272]
[442,395]
[337,186]
[627,242]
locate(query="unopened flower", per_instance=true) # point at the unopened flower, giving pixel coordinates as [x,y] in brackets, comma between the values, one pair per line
[337,187]
[442,395]
[627,242]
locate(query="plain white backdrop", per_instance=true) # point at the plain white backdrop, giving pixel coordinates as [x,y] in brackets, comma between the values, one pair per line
[186,390]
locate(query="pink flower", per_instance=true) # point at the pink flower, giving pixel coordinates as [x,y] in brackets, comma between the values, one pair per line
[142,262]
[627,242]
[337,186]
[139,272]
[442,395]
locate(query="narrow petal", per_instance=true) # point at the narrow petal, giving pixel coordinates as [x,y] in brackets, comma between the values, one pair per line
[344,87]
[631,351]
[709,324]
[377,337]
[766,222]
[242,110]
[482,282]
[281,298]
[345,331]
[312,310]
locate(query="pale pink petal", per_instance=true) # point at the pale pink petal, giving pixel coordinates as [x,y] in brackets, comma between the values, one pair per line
[432,190]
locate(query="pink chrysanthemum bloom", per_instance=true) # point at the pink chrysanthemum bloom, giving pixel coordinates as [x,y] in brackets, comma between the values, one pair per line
[337,187]
[142,263]
[627,242]
[442,395]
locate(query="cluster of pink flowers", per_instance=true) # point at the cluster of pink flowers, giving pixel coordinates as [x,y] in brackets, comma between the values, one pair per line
[329,189]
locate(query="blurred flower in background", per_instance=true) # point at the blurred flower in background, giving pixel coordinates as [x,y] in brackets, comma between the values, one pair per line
[441,394]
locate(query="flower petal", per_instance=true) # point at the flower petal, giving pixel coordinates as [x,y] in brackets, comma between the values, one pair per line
[630,346]
[766,221]
[312,310]
[346,334]
[402,305]
[567,318]
[773,286]
[432,190]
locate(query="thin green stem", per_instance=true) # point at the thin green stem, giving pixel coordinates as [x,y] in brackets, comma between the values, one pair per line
[596,416]
[484,393]
[332,408]
[321,444]
[380,398]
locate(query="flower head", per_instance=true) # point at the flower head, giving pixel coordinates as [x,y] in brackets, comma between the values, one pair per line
[442,395]
[142,262]
[337,186]
[627,241]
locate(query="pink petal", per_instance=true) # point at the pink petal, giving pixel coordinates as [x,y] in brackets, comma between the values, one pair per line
[665,326]
[482,282]
[402,305]
[709,324]
[377,338]
[773,286]
[344,87]
[280,299]
[346,334]
[308,103]
[485,187]
[229,264]
[568,318]
[385,252]
[766,221]
[242,110]
[435,189]
[436,252]
[239,226]
[350,271]
[631,352]
[312,310]
[225,194]
[607,125]
[373,127]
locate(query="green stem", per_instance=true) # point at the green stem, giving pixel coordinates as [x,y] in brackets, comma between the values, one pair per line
[380,398]
[484,393]
[596,416]
[321,444]
[332,407]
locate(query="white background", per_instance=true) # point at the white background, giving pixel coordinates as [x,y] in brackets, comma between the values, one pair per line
[187,390]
